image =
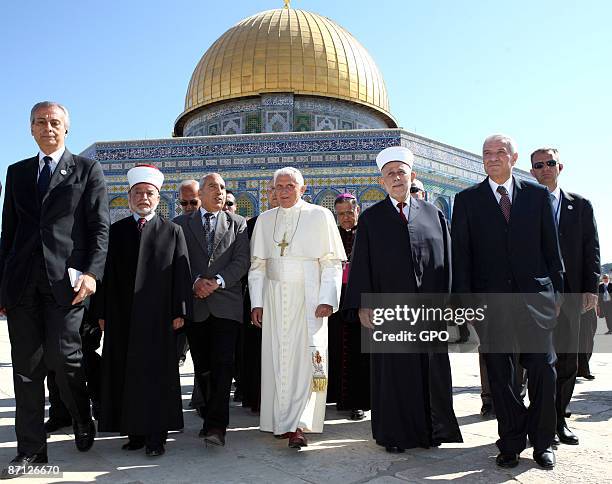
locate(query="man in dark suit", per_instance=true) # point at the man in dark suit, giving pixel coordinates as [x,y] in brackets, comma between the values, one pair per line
[55,226]
[505,242]
[219,255]
[580,251]
[605,301]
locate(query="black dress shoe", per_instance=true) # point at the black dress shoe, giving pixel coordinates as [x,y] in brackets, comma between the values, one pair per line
[84,435]
[589,377]
[507,460]
[215,437]
[556,442]
[394,449]
[17,465]
[133,445]
[54,424]
[545,458]
[155,451]
[566,436]
[357,414]
[487,410]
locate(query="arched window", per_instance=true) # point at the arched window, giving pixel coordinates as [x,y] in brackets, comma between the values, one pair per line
[245,206]
[119,208]
[326,199]
[370,196]
[163,208]
[443,205]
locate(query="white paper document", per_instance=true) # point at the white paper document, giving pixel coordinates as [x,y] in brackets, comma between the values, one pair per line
[74,275]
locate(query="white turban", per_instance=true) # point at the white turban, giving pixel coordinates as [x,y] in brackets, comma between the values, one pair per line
[145,174]
[394,153]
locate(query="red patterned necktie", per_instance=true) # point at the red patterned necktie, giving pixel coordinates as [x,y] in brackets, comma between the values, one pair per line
[141,223]
[401,206]
[504,202]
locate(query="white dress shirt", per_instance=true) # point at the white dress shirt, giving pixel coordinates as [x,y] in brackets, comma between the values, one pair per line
[213,224]
[508,185]
[405,208]
[146,217]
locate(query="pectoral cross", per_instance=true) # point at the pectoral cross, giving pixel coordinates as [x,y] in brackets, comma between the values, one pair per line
[283,244]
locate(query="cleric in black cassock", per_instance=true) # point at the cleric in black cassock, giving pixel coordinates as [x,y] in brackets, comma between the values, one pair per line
[145,295]
[251,344]
[349,367]
[404,249]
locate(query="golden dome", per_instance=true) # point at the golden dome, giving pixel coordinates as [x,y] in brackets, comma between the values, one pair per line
[286,50]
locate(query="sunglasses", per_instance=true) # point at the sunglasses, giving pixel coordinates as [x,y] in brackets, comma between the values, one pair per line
[184,203]
[414,190]
[229,204]
[540,164]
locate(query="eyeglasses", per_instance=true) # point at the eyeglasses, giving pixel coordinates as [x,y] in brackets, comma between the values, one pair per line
[229,203]
[414,190]
[540,164]
[184,203]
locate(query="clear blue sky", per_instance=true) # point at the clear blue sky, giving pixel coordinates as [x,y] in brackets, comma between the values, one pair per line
[456,71]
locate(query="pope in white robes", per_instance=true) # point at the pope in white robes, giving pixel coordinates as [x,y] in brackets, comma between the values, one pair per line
[294,282]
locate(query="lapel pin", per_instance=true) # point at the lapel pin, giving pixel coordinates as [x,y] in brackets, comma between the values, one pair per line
[570,207]
[63,172]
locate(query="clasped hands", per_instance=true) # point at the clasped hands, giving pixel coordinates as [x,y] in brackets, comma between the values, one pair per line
[204,287]
[322,311]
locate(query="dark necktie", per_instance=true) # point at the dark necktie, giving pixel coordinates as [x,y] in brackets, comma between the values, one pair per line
[44,178]
[401,206]
[504,202]
[141,223]
[209,232]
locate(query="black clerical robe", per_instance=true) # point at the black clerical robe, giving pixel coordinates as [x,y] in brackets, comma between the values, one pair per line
[146,285]
[349,368]
[250,372]
[411,393]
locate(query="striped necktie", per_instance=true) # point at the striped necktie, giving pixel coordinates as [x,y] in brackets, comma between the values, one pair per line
[504,202]
[209,232]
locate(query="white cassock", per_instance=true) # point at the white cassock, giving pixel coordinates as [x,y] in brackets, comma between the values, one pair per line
[289,288]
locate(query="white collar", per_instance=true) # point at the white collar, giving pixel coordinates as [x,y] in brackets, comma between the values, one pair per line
[147,217]
[508,185]
[297,205]
[56,156]
[395,202]
[203,211]
[557,193]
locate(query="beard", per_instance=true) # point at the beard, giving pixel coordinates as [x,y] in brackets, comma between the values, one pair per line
[144,211]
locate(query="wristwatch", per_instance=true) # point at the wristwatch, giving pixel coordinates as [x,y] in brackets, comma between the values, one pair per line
[219,281]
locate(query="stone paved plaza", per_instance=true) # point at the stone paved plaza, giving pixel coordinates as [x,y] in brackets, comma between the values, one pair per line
[343,453]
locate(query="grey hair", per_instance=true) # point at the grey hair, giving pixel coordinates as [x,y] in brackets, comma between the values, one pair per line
[203,179]
[50,104]
[504,139]
[289,171]
[187,183]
